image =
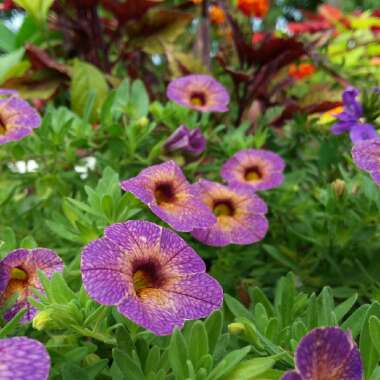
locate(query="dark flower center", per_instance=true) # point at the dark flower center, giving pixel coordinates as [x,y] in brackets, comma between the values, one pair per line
[17,283]
[146,276]
[164,193]
[253,173]
[198,99]
[223,208]
[3,127]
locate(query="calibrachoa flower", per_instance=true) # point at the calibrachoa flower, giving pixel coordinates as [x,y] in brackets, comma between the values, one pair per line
[18,274]
[153,277]
[240,215]
[257,169]
[366,155]
[350,120]
[256,8]
[17,117]
[327,353]
[188,140]
[165,190]
[22,358]
[199,92]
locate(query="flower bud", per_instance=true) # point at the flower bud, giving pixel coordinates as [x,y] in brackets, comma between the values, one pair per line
[339,187]
[236,328]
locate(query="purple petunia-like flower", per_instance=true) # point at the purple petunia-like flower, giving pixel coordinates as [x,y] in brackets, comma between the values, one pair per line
[350,119]
[187,140]
[366,155]
[240,215]
[327,353]
[17,117]
[256,169]
[165,190]
[18,275]
[153,277]
[200,92]
[22,358]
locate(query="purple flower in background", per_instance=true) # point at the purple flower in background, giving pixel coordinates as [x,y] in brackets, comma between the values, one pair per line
[153,277]
[22,358]
[200,92]
[17,117]
[240,215]
[350,119]
[256,169]
[366,155]
[165,190]
[188,140]
[327,353]
[18,274]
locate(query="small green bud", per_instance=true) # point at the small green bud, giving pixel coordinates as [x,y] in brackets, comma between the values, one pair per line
[339,187]
[43,320]
[236,328]
[143,122]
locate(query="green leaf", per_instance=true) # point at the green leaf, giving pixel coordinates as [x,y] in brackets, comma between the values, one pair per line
[374,328]
[249,369]
[8,62]
[342,309]
[178,353]
[237,308]
[87,82]
[214,326]
[369,353]
[127,365]
[229,362]
[7,39]
[198,343]
[139,100]
[37,8]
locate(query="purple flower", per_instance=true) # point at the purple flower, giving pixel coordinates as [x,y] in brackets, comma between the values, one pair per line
[17,117]
[153,277]
[366,155]
[188,140]
[22,358]
[18,274]
[165,190]
[350,118]
[327,353]
[240,215]
[256,169]
[200,92]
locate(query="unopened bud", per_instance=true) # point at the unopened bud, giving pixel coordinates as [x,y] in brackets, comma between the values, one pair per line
[339,187]
[236,328]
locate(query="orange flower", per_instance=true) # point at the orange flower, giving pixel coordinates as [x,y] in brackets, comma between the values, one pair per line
[197,1]
[216,15]
[257,8]
[301,71]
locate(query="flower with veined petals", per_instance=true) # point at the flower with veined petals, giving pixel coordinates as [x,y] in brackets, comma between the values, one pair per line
[22,358]
[327,354]
[301,71]
[187,140]
[240,215]
[18,275]
[256,8]
[366,155]
[350,120]
[165,190]
[153,277]
[200,92]
[257,169]
[17,117]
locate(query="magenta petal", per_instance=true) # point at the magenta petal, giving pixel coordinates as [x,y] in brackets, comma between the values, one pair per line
[22,358]
[291,375]
[327,353]
[150,274]
[182,210]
